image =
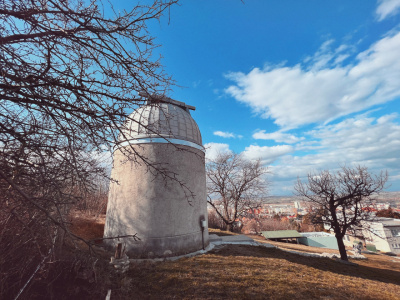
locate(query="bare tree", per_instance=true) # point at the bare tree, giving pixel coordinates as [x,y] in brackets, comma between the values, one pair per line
[234,186]
[342,199]
[70,75]
[388,213]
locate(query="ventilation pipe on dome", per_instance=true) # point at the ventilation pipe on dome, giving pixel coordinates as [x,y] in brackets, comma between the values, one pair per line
[154,98]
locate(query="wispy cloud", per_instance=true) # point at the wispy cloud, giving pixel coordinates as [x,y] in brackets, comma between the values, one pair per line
[321,90]
[277,136]
[365,140]
[225,134]
[195,84]
[266,154]
[362,139]
[212,149]
[387,8]
[326,56]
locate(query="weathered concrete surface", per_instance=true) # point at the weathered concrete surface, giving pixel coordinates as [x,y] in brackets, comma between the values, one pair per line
[237,238]
[159,210]
[215,241]
[214,238]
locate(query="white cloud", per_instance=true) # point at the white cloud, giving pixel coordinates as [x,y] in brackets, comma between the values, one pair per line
[212,149]
[308,145]
[195,84]
[325,56]
[225,134]
[363,140]
[277,136]
[387,8]
[266,154]
[320,90]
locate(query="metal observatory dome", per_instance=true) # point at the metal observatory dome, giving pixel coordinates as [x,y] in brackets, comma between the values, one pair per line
[166,207]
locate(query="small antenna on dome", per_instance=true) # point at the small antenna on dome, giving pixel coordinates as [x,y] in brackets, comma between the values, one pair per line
[155,98]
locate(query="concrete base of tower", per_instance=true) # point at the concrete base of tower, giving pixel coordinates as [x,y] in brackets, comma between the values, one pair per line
[166,214]
[148,247]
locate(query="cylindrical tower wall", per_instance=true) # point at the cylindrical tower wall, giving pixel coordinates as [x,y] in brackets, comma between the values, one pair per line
[161,211]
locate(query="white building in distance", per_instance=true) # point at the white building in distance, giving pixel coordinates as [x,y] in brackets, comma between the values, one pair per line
[384,233]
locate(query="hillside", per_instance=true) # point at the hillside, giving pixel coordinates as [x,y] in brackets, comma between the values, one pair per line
[248,272]
[229,272]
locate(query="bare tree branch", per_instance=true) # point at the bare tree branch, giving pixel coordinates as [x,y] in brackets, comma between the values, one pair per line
[70,76]
[235,186]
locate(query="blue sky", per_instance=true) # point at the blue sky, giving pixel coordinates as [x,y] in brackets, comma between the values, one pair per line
[305,85]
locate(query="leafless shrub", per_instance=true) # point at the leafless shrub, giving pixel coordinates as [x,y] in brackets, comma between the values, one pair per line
[94,202]
[275,224]
[251,227]
[235,185]
[214,221]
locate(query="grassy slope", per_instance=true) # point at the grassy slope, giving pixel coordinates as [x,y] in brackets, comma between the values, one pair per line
[243,272]
[248,272]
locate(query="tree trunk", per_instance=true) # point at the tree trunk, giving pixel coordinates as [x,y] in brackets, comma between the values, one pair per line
[342,248]
[229,227]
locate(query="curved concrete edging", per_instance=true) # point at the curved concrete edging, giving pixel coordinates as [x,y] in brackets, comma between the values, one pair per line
[173,258]
[241,240]
[225,240]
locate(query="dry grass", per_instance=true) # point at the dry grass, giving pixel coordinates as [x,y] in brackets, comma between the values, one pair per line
[87,227]
[378,261]
[249,272]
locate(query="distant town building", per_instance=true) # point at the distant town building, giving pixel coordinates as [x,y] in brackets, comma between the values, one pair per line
[384,233]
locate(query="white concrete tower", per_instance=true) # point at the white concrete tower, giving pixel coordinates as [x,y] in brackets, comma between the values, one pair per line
[167,216]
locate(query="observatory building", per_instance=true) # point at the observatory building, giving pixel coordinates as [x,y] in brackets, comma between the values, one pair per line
[163,203]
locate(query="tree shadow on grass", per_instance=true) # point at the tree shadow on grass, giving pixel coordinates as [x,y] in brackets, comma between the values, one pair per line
[321,263]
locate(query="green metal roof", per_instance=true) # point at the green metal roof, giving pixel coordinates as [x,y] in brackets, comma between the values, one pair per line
[281,234]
